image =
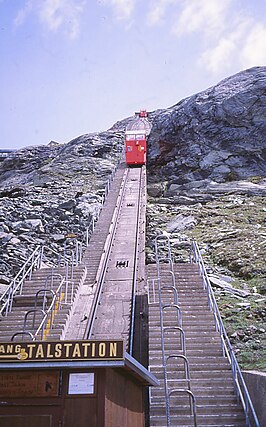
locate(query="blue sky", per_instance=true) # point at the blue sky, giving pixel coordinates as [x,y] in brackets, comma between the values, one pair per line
[69,67]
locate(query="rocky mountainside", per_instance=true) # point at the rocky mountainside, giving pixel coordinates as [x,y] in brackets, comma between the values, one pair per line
[206,180]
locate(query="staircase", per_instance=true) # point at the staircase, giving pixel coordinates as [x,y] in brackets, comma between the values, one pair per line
[209,373]
[44,283]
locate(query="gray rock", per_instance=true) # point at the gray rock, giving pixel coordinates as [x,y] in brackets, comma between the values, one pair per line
[4,280]
[217,134]
[69,205]
[155,190]
[35,223]
[5,237]
[58,237]
[227,287]
[15,241]
[3,288]
[180,222]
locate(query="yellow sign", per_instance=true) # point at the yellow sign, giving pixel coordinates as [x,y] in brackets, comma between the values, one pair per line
[61,350]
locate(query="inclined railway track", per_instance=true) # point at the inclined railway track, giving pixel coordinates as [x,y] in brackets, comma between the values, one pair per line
[107,298]
[113,306]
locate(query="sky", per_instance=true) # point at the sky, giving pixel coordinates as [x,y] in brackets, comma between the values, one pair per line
[71,67]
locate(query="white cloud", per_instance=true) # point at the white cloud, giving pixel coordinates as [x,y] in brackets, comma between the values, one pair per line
[23,13]
[123,8]
[55,15]
[218,57]
[244,46]
[253,51]
[205,16]
[222,36]
[223,50]
[158,10]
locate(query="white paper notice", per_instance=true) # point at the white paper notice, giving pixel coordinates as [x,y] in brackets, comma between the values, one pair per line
[81,383]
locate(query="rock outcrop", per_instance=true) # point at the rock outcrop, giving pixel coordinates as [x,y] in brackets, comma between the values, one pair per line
[218,134]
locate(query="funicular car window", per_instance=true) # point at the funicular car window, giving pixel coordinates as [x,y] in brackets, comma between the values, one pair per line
[130,137]
[140,137]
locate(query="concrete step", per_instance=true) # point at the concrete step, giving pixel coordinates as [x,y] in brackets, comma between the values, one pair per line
[174,339]
[201,362]
[192,318]
[173,336]
[206,375]
[202,420]
[201,401]
[190,350]
[179,409]
[198,385]
[201,391]
[214,350]
[199,311]
[17,314]
[187,325]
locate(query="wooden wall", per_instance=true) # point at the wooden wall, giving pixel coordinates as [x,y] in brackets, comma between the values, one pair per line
[123,400]
[117,401]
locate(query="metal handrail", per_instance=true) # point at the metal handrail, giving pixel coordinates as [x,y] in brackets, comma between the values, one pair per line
[152,292]
[173,289]
[15,287]
[186,365]
[23,333]
[240,386]
[34,311]
[56,298]
[191,399]
[44,297]
[50,310]
[51,277]
[182,335]
[178,310]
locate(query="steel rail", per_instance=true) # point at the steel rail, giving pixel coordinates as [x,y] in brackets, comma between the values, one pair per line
[104,259]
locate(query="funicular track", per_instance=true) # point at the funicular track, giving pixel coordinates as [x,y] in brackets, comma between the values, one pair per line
[106,304]
[117,275]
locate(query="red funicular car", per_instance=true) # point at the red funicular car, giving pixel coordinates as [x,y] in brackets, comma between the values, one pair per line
[136,139]
[135,147]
